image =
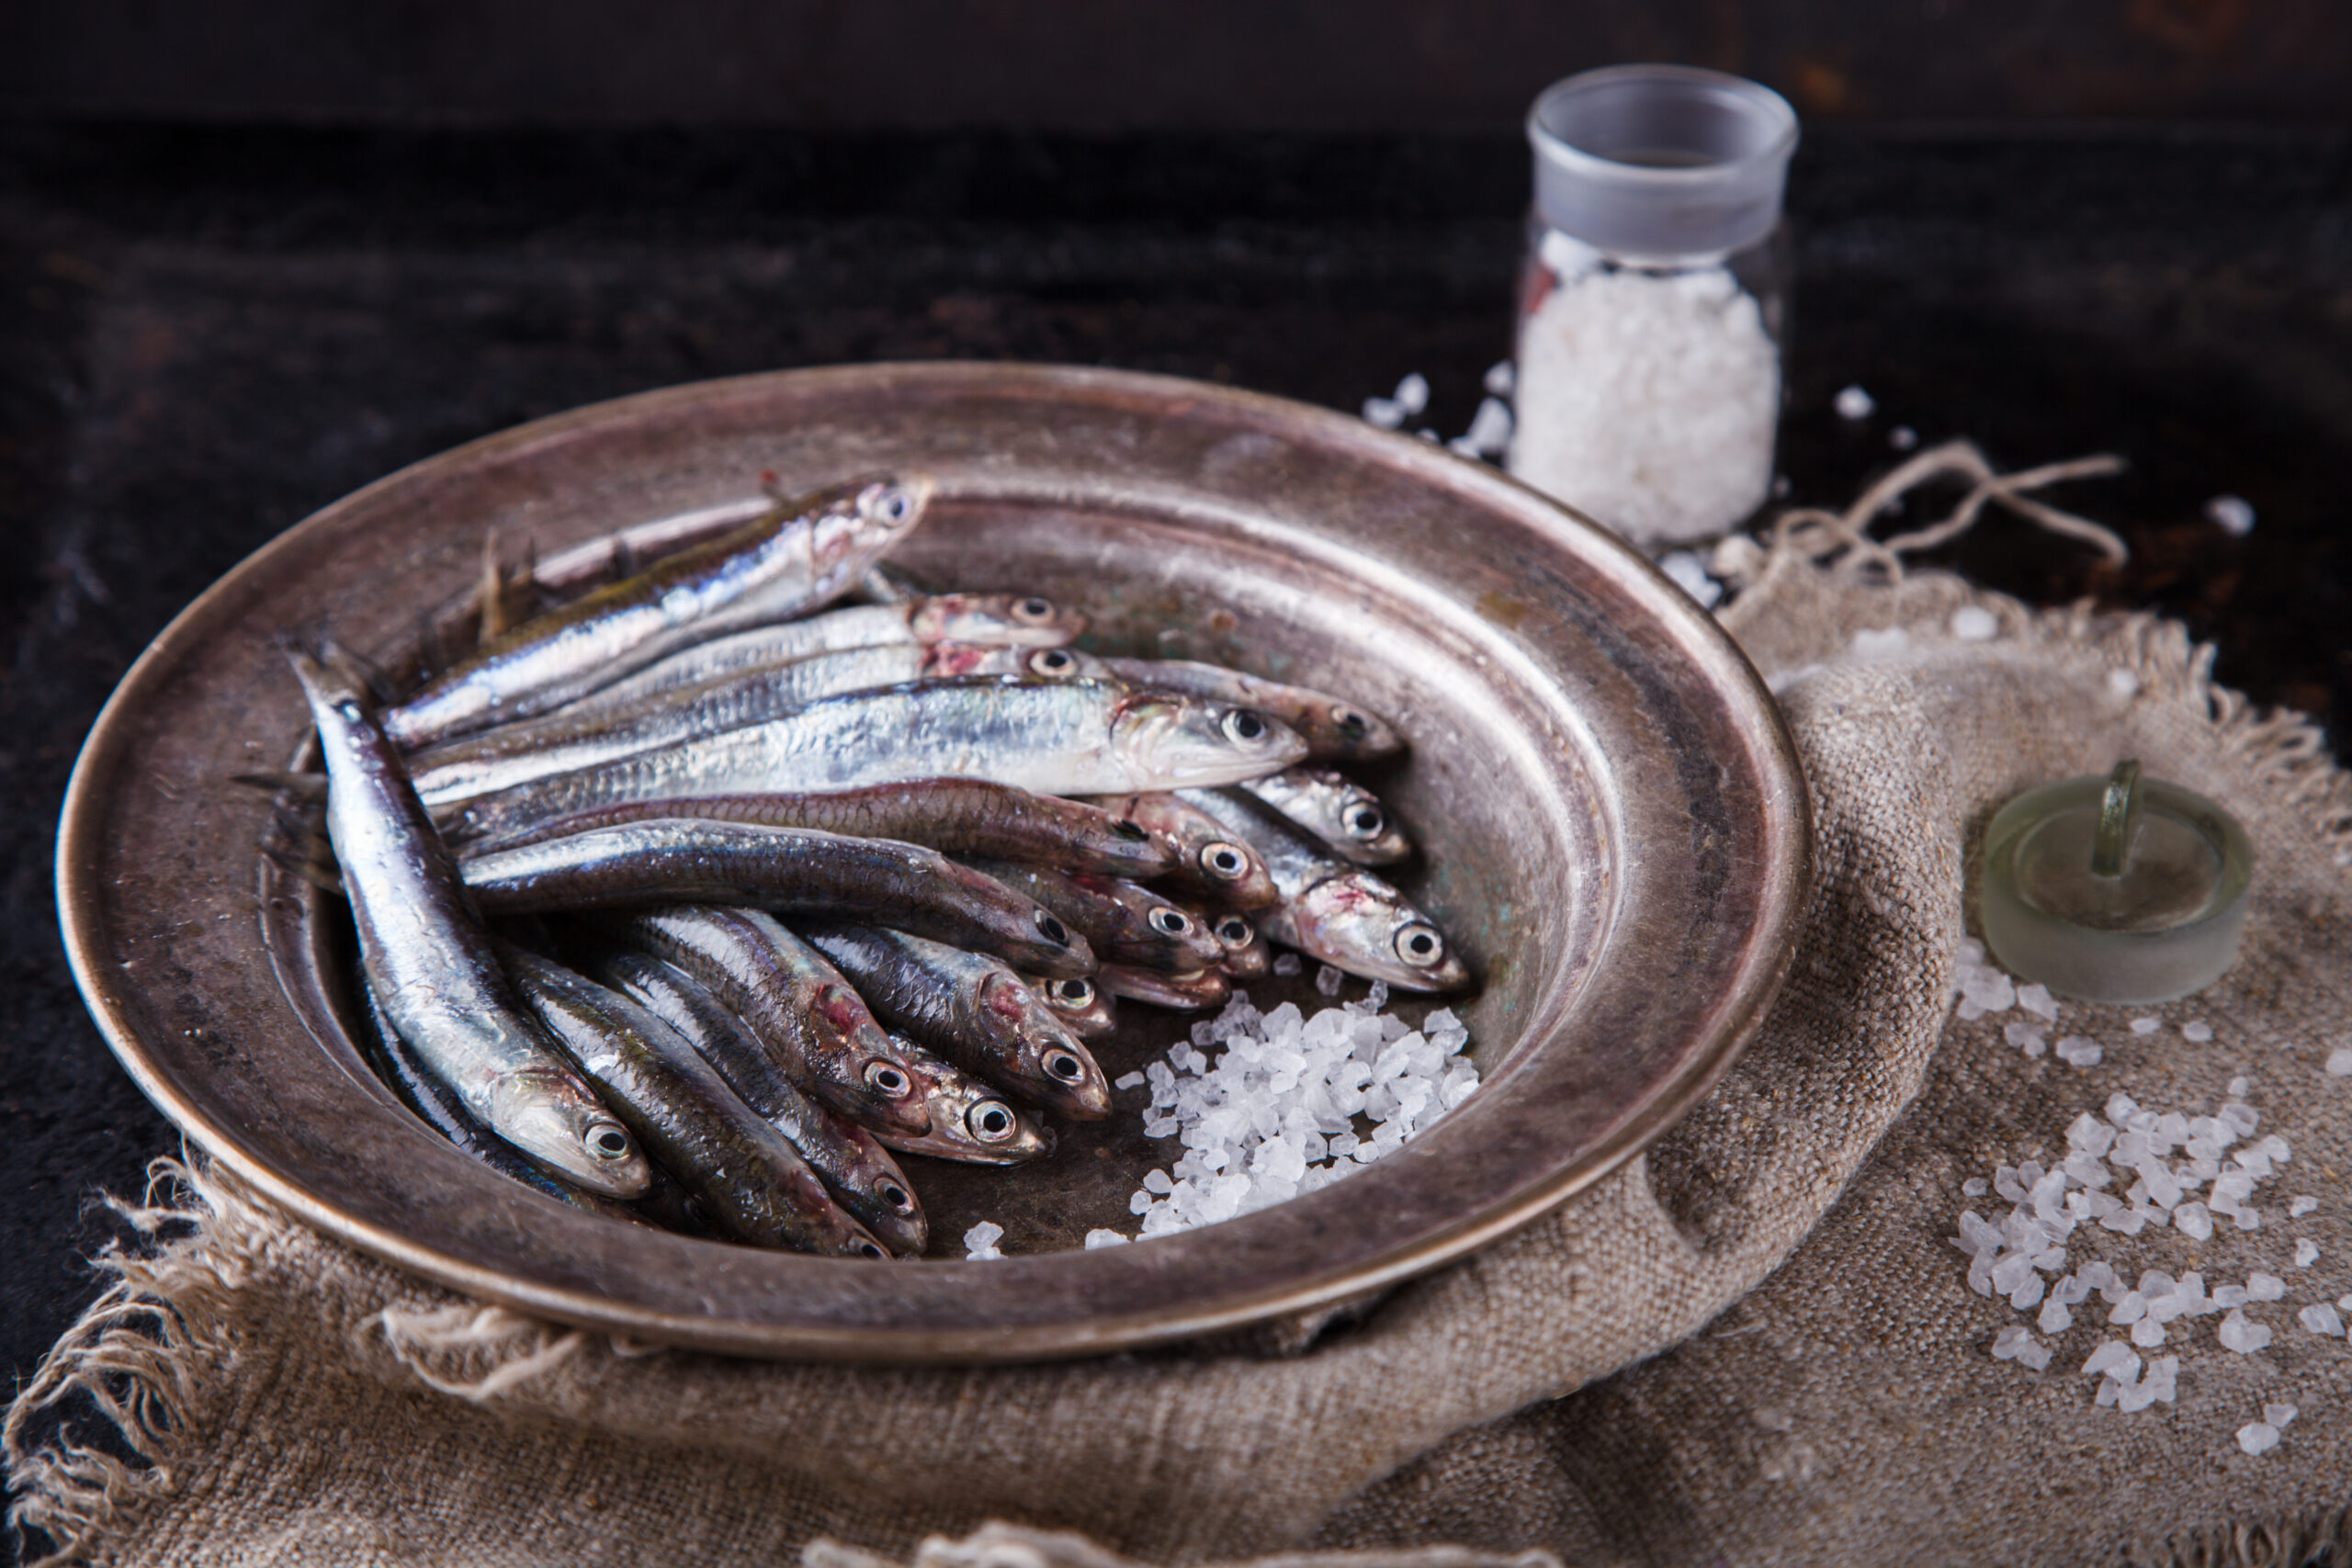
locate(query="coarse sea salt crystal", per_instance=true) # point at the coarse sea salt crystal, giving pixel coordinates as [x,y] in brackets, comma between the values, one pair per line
[2339,1062]
[2306,1253]
[2322,1318]
[2261,1287]
[2146,1025]
[982,1239]
[2237,1334]
[1902,438]
[2257,1437]
[1854,403]
[1975,1187]
[2036,999]
[2079,1051]
[2232,515]
[2198,1031]
[2240,1087]
[1095,1238]
[2302,1206]
[1973,622]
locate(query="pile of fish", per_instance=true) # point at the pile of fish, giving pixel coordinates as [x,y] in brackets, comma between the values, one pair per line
[691,900]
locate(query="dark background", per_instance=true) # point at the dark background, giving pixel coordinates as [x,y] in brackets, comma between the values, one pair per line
[253,255]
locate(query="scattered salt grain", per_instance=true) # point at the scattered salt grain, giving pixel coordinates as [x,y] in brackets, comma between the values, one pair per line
[2339,1062]
[1902,438]
[2146,1025]
[2231,514]
[1498,377]
[1287,965]
[1689,574]
[2036,999]
[2025,1037]
[2194,1220]
[1095,1238]
[1490,430]
[1328,980]
[982,1239]
[1973,622]
[1856,403]
[1412,395]
[2306,1253]
[1132,1080]
[2196,1033]
[2322,1319]
[1975,1187]
[2257,1438]
[2237,1334]
[2302,1206]
[2122,684]
[1875,644]
[2280,1414]
[2079,1051]
[2261,1287]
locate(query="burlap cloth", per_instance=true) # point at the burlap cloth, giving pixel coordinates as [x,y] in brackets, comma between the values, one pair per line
[1658,1373]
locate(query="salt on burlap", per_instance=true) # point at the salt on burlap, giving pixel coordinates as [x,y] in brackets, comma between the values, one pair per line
[1742,1398]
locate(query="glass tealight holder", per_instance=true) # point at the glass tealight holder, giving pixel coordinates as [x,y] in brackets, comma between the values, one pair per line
[2122,889]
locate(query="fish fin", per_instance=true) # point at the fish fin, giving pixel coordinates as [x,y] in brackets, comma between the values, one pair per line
[325,878]
[303,786]
[358,669]
[491,594]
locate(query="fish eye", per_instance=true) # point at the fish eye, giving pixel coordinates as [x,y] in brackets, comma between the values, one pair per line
[867,1249]
[896,505]
[991,1121]
[1366,822]
[607,1140]
[1353,726]
[1420,945]
[1052,930]
[1074,993]
[1235,931]
[1169,923]
[1064,1065]
[896,1196]
[886,1079]
[1051,661]
[1034,609]
[1243,726]
[1227,862]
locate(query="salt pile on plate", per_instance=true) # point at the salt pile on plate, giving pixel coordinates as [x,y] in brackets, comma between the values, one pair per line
[1276,1113]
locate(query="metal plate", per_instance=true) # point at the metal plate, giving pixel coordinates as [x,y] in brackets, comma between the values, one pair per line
[1613,822]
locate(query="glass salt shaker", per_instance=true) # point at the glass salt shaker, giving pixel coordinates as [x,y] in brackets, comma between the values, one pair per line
[1653,304]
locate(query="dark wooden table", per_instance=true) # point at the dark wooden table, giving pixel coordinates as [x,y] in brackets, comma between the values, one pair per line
[206,334]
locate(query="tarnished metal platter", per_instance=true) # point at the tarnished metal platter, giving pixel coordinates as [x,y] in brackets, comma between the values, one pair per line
[1613,822]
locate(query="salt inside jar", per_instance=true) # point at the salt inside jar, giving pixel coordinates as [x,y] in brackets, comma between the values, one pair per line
[1653,303]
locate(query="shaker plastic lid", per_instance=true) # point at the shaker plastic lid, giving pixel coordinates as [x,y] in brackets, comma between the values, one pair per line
[2118,890]
[1661,161]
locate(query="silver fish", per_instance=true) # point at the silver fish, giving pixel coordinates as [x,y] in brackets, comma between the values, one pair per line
[798,555]
[431,966]
[1331,727]
[753,1182]
[1052,737]
[567,740]
[970,1009]
[1342,914]
[863,1179]
[795,870]
[991,620]
[1347,817]
[1211,863]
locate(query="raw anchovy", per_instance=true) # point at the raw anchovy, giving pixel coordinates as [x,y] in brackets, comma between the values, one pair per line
[863,1177]
[1332,727]
[1052,737]
[430,964]
[797,555]
[1089,1010]
[792,1002]
[956,817]
[1122,922]
[1211,863]
[968,1121]
[795,870]
[565,741]
[1347,817]
[992,620]
[753,1183]
[1185,993]
[1245,957]
[971,1010]
[1342,914]
[436,1105]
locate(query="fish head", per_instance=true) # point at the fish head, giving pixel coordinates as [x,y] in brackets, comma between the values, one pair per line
[564,1128]
[1023,1028]
[1245,957]
[1343,729]
[950,658]
[853,523]
[969,1121]
[881,1078]
[1170,742]
[1361,924]
[1008,620]
[894,1215]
